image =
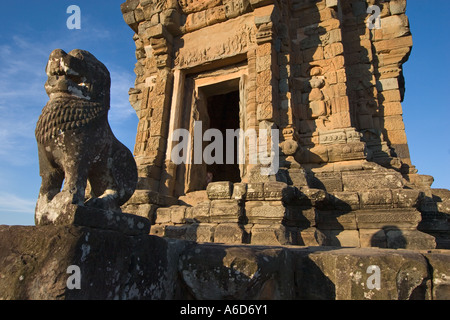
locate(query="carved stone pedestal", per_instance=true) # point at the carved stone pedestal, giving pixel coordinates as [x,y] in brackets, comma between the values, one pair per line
[274,213]
[128,224]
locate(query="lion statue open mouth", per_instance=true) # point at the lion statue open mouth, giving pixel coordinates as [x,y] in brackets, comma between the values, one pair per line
[75,142]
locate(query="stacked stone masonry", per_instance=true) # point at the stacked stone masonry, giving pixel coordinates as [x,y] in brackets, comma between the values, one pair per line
[315,71]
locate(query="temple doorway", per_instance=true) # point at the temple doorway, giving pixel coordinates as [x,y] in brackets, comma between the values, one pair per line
[210,100]
[223,113]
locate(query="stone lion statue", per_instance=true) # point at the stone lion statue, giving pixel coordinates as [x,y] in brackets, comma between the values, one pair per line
[75,142]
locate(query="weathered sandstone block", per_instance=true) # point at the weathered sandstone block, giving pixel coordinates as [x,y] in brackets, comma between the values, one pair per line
[34,263]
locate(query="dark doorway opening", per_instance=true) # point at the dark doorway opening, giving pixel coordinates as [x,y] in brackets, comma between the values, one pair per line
[223,112]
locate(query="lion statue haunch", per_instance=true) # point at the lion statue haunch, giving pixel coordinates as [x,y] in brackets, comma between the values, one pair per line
[75,142]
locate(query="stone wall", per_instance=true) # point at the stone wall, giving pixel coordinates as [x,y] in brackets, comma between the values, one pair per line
[274,213]
[315,71]
[34,264]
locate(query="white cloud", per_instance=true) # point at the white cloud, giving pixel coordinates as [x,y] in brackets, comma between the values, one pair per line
[121,82]
[13,203]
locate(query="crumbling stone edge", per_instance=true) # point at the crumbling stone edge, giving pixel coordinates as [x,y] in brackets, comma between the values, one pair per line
[35,261]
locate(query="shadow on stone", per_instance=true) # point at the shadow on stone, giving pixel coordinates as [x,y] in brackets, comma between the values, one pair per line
[389,237]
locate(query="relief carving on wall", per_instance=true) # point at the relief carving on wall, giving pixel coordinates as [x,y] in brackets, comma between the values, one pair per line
[213,50]
[189,6]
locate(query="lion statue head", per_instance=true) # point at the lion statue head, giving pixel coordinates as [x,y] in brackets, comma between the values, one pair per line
[77,74]
[78,86]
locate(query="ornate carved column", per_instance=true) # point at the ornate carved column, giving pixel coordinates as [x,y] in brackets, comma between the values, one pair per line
[322,108]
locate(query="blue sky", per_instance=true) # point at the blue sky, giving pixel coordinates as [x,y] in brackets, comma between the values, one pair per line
[31,29]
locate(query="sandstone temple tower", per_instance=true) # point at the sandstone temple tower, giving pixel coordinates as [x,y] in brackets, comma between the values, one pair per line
[314,71]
